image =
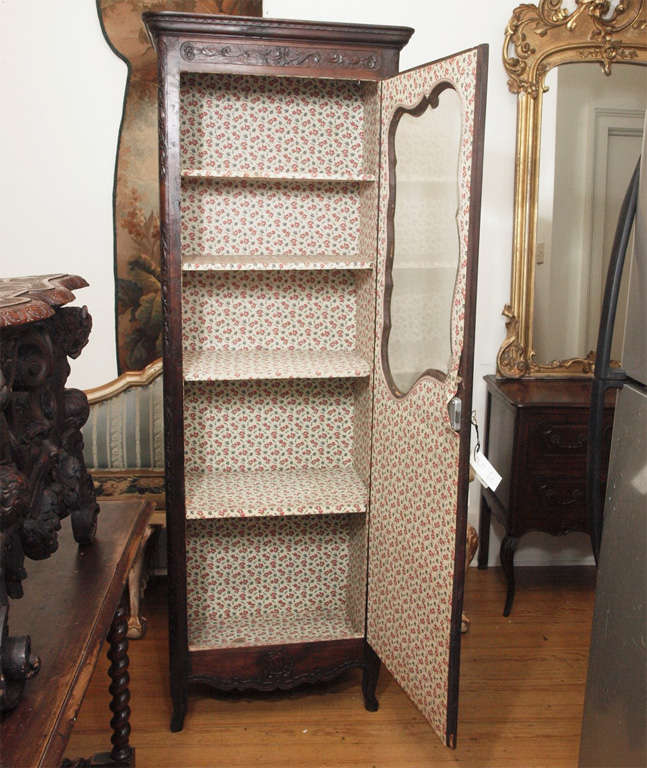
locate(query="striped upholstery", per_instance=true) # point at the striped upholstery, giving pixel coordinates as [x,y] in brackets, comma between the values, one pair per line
[127,430]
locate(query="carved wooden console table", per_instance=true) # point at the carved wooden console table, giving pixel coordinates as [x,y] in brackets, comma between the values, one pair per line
[73,602]
[42,472]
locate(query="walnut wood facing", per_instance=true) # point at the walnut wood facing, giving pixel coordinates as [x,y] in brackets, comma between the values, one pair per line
[536,436]
[241,45]
[266,668]
[69,607]
[279,46]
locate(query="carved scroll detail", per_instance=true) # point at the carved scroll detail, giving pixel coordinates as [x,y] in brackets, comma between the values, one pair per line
[277,56]
[540,36]
[511,360]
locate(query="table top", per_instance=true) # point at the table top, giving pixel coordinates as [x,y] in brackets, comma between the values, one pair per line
[69,603]
[528,393]
[28,299]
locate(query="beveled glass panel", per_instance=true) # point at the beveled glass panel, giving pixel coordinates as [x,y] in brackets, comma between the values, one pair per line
[424,245]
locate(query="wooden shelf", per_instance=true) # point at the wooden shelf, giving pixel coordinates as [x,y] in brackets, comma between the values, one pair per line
[273,628]
[241,175]
[248,364]
[338,490]
[229,262]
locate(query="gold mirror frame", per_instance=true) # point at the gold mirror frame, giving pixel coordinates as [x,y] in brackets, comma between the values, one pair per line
[538,38]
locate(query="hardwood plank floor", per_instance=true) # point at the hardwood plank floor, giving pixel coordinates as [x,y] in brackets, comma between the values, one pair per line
[521,700]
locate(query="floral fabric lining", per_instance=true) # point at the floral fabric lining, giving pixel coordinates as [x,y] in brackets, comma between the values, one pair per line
[415,452]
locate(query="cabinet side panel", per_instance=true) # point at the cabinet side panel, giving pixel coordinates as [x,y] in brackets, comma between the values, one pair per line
[365,285]
[500,443]
[170,257]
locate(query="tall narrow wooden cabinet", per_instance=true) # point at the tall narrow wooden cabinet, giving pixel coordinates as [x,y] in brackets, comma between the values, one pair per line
[318,324]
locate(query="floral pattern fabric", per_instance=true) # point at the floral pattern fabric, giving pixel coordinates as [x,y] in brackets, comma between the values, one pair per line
[269,310]
[255,426]
[415,452]
[228,263]
[252,217]
[250,364]
[272,580]
[234,126]
[333,491]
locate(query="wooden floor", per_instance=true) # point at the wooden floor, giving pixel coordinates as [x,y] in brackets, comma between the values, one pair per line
[522,693]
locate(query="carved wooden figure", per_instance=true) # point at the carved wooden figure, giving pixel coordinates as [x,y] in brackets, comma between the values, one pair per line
[42,472]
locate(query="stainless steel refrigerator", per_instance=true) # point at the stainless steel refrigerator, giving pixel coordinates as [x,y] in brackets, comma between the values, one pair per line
[614,726]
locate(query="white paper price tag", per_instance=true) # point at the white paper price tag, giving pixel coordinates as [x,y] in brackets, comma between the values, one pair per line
[484,471]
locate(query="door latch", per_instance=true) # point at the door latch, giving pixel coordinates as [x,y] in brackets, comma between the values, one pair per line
[455,408]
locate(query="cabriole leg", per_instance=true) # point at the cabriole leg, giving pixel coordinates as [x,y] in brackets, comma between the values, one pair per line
[369,678]
[508,547]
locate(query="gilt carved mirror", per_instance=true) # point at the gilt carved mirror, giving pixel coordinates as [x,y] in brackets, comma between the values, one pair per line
[579,71]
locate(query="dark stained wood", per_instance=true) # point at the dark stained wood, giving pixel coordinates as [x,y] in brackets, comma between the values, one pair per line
[121,751]
[279,46]
[536,437]
[168,78]
[466,376]
[574,393]
[69,606]
[43,477]
[242,45]
[370,677]
[28,299]
[272,667]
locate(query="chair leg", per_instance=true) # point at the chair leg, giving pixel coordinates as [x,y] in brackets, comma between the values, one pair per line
[136,622]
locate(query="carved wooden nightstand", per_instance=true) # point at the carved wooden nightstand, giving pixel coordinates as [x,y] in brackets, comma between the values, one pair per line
[536,435]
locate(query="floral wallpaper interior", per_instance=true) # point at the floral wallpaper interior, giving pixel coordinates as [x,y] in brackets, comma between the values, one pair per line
[136,203]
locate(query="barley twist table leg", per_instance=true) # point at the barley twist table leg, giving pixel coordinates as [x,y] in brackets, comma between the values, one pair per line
[118,672]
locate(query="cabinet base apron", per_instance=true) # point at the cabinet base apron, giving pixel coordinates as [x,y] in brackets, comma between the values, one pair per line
[281,667]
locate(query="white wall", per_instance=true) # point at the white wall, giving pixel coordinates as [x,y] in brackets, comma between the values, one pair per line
[61,106]
[65,87]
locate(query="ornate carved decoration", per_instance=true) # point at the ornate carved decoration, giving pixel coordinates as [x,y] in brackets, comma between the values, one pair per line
[276,666]
[511,360]
[42,473]
[556,436]
[277,56]
[546,34]
[276,673]
[549,496]
[538,38]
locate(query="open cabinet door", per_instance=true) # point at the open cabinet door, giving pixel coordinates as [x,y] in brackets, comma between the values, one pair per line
[432,121]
